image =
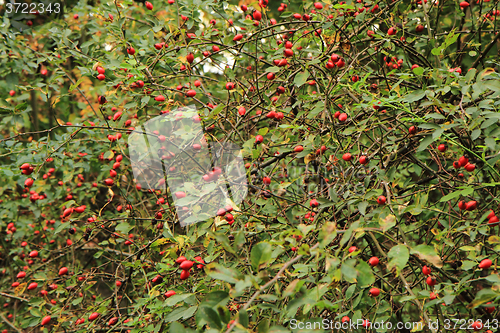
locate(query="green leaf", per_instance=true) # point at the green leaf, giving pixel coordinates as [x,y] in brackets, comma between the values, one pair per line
[181,313]
[398,257]
[455,194]
[414,96]
[365,275]
[425,143]
[427,253]
[349,273]
[171,301]
[418,71]
[436,51]
[209,316]
[219,272]
[362,207]
[216,110]
[77,83]
[260,254]
[176,327]
[483,296]
[301,78]
[243,317]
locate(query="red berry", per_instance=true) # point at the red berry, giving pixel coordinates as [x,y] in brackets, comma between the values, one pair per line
[347,157]
[63,271]
[381,200]
[485,264]
[373,261]
[93,316]
[431,281]
[149,5]
[45,320]
[186,265]
[374,292]
[426,270]
[184,275]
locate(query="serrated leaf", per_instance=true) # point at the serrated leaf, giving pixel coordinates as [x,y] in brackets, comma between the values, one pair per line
[301,78]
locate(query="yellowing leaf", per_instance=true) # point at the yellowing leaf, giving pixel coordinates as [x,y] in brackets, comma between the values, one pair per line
[494,240]
[309,158]
[180,241]
[20,289]
[387,223]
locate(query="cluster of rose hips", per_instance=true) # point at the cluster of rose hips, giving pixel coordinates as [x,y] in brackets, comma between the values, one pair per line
[275,115]
[112,172]
[393,62]
[226,213]
[186,266]
[464,162]
[335,60]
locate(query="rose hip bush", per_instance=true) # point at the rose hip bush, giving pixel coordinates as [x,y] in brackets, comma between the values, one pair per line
[369,132]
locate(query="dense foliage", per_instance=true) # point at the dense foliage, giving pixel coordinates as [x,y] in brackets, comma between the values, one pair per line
[369,132]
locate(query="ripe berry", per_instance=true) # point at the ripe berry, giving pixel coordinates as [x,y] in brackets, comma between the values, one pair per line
[381,200]
[442,148]
[464,4]
[373,261]
[318,5]
[485,264]
[130,50]
[431,281]
[426,270]
[45,320]
[470,167]
[184,275]
[347,157]
[93,316]
[374,292]
[257,15]
[229,86]
[412,130]
[259,139]
[476,326]
[180,259]
[298,149]
[314,203]
[392,31]
[149,5]
[471,205]
[352,249]
[363,159]
[186,265]
[63,271]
